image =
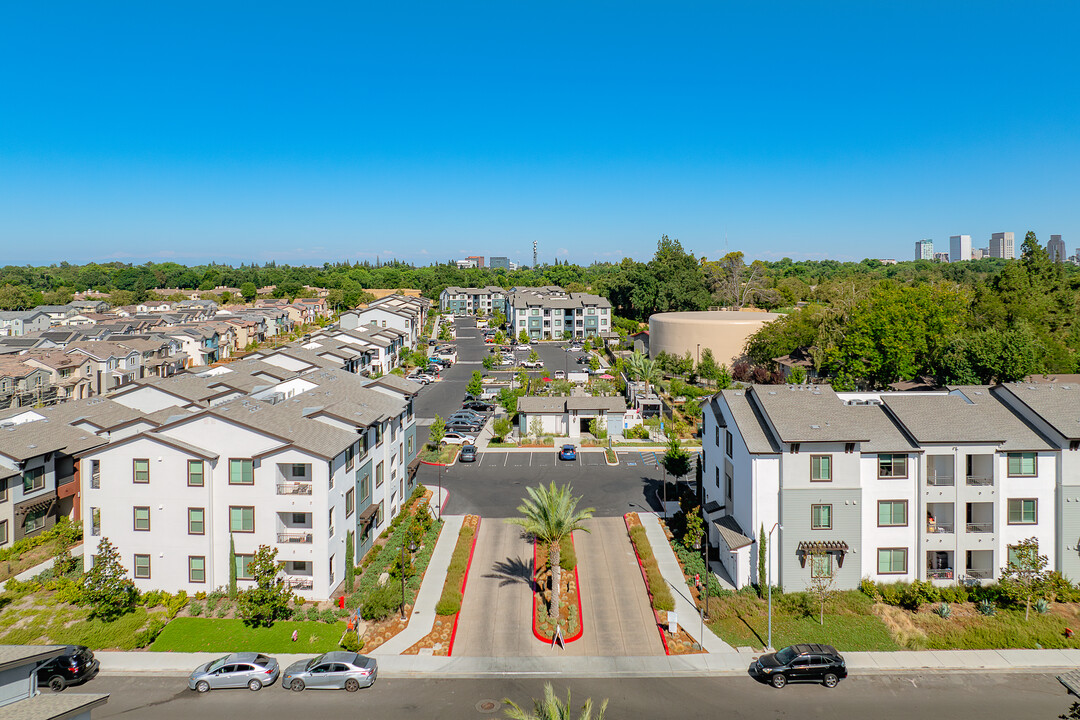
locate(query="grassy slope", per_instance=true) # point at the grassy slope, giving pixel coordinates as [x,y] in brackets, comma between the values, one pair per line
[213,635]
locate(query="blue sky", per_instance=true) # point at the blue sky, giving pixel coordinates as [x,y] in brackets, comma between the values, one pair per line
[309,132]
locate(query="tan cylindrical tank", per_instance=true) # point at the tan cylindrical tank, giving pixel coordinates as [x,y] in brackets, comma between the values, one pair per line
[723,331]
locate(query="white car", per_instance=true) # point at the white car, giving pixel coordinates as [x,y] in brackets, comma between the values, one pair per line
[532,363]
[422,379]
[456,438]
[575,348]
[559,375]
[524,348]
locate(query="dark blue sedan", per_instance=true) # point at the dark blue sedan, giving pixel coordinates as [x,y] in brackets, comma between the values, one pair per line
[568,452]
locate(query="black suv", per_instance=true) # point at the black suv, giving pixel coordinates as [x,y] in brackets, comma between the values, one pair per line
[74,667]
[801,663]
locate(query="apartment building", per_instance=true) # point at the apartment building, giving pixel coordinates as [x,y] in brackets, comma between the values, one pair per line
[17,323]
[304,465]
[398,312]
[468,301]
[549,312]
[891,486]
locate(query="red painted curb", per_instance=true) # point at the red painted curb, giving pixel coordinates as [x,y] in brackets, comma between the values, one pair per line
[645,579]
[464,580]
[581,618]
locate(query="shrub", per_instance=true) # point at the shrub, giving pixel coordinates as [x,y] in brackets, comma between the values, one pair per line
[638,432]
[313,613]
[149,633]
[954,594]
[658,588]
[176,603]
[1042,606]
[195,609]
[986,607]
[350,643]
[380,601]
[450,601]
[870,588]
[943,610]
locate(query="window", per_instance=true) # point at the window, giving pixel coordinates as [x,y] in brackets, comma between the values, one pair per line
[410,445]
[728,442]
[34,521]
[332,569]
[378,475]
[299,470]
[243,567]
[1013,555]
[717,436]
[349,498]
[892,513]
[1022,464]
[892,561]
[196,568]
[821,517]
[33,480]
[821,566]
[892,466]
[365,486]
[241,472]
[3,532]
[195,473]
[330,521]
[379,433]
[142,470]
[241,519]
[717,476]
[299,518]
[1023,512]
[142,566]
[195,521]
[820,468]
[379,514]
[3,491]
[142,518]
[730,487]
[349,458]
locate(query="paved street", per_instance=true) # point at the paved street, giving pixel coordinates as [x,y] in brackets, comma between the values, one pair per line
[900,697]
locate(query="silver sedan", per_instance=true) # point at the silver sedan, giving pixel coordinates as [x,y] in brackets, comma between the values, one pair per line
[250,670]
[331,671]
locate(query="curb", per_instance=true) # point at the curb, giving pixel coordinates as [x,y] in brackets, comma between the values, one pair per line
[581,617]
[464,582]
[644,579]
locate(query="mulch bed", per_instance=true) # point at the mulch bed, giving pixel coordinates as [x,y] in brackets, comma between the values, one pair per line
[569,599]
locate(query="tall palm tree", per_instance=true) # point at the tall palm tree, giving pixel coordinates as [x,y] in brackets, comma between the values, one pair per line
[641,367]
[552,708]
[551,514]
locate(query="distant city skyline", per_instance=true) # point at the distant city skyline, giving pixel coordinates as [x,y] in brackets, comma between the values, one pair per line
[434,133]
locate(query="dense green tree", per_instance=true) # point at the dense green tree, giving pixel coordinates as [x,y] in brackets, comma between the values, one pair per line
[106,588]
[269,599]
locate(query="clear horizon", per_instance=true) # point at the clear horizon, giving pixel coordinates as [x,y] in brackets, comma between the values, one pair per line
[254,131]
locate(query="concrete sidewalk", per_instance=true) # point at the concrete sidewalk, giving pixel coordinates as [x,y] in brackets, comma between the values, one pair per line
[422,619]
[672,572]
[733,664]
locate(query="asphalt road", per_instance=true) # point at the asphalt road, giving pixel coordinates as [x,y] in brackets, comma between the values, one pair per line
[900,697]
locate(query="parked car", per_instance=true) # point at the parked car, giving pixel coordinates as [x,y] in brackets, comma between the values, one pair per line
[458,438]
[809,662]
[489,338]
[434,369]
[523,347]
[420,378]
[575,348]
[74,667]
[560,375]
[532,363]
[478,406]
[468,453]
[467,416]
[464,426]
[581,360]
[248,669]
[331,671]
[568,452]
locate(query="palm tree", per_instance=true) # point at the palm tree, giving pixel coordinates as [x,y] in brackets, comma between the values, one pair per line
[642,367]
[552,708]
[551,514]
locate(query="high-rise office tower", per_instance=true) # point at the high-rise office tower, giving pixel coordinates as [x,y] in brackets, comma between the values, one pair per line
[959,248]
[1001,245]
[924,249]
[1056,249]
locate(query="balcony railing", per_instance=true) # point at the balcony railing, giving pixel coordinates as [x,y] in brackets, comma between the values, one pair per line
[980,527]
[940,480]
[294,488]
[979,480]
[940,528]
[95,481]
[980,574]
[940,574]
[294,537]
[301,583]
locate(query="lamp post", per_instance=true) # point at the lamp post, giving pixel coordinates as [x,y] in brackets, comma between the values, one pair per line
[412,549]
[438,501]
[769,550]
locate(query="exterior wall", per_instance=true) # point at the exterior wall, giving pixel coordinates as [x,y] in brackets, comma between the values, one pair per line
[875,537]
[724,332]
[20,502]
[846,526]
[1043,489]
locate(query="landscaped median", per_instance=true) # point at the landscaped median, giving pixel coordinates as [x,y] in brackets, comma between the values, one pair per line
[660,596]
[570,597]
[441,639]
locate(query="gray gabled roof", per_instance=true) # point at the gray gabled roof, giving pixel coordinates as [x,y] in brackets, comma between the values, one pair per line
[1057,403]
[755,433]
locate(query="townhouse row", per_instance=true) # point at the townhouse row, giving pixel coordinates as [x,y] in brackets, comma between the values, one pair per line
[937,486]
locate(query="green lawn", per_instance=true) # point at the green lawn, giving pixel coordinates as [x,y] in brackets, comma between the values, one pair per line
[60,624]
[844,632]
[214,635]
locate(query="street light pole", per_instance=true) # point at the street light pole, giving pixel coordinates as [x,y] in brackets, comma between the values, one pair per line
[769,550]
[412,549]
[438,502]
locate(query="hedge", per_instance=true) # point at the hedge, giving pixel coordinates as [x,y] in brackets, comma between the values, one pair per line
[658,587]
[450,601]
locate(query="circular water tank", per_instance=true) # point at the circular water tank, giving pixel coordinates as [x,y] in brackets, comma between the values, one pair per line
[723,331]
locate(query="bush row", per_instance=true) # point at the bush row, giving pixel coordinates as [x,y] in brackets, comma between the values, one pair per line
[661,593]
[67,532]
[1005,594]
[450,600]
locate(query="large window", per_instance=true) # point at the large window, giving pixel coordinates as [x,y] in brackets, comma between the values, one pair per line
[195,473]
[196,568]
[241,519]
[33,480]
[379,475]
[141,467]
[892,466]
[349,453]
[820,468]
[241,471]
[3,532]
[3,491]
[728,443]
[195,521]
[821,517]
[365,485]
[142,518]
[142,566]
[892,561]
[821,566]
[1023,511]
[349,499]
[892,513]
[34,521]
[243,567]
[1022,464]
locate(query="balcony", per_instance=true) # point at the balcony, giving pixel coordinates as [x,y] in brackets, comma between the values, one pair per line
[293,488]
[940,574]
[299,582]
[979,480]
[294,537]
[939,528]
[940,480]
[980,527]
[980,574]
